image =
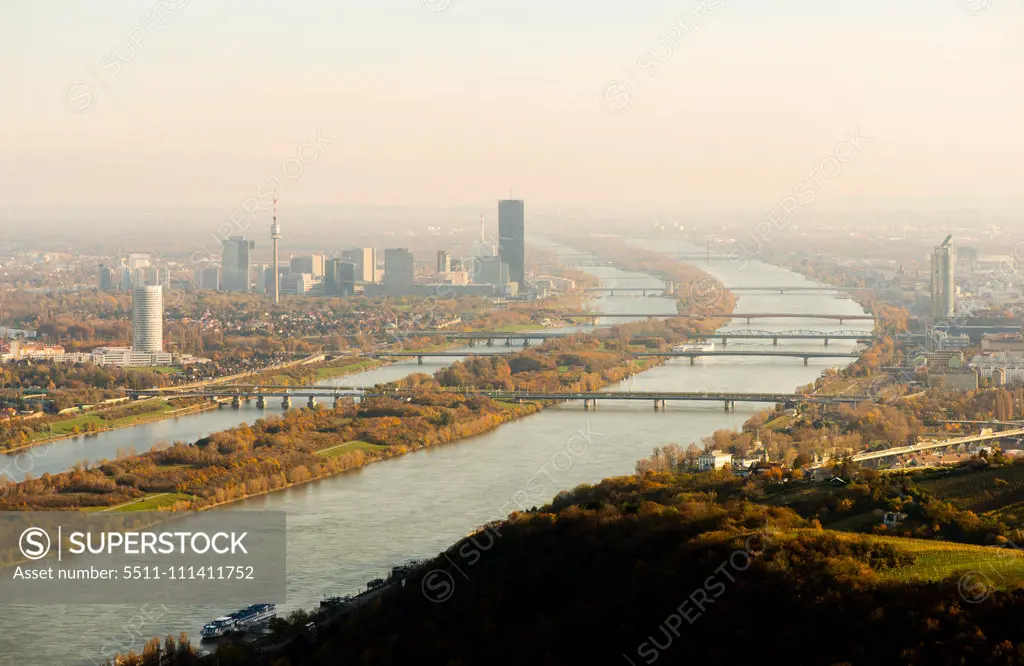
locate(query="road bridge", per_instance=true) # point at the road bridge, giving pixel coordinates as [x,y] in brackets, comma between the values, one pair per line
[692,355]
[935,444]
[240,393]
[724,336]
[717,315]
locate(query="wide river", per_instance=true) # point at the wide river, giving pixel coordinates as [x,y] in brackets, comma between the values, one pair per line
[349,529]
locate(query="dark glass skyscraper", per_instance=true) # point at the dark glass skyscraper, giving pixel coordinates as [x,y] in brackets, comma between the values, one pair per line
[512,238]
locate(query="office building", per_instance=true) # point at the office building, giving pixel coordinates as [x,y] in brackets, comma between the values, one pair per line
[137,260]
[490,270]
[126,279]
[398,267]
[209,278]
[512,238]
[261,275]
[148,319]
[943,285]
[106,282]
[129,357]
[234,263]
[339,278]
[312,264]
[297,284]
[453,277]
[444,262]
[365,261]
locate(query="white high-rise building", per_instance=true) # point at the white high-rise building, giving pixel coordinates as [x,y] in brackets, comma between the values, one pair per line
[148,319]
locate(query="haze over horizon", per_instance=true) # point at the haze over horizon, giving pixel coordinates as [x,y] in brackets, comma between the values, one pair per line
[565,103]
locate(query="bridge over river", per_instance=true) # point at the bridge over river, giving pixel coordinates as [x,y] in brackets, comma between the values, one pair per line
[240,392]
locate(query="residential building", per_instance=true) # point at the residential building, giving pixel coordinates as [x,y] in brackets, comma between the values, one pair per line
[1011,367]
[20,349]
[234,263]
[148,319]
[398,267]
[713,460]
[512,238]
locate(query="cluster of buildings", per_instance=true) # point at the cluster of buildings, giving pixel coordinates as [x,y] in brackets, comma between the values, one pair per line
[136,269]
[494,269]
[147,340]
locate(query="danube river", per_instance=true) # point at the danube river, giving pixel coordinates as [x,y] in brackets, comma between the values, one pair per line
[349,529]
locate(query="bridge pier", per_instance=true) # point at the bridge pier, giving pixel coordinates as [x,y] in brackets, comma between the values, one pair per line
[490,342]
[261,402]
[311,403]
[725,341]
[472,342]
[826,342]
[508,342]
[236,402]
[670,288]
[526,342]
[643,292]
[748,320]
[286,402]
[806,359]
[419,360]
[775,341]
[693,360]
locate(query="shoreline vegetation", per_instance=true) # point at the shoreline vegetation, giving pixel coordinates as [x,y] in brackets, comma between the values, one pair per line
[91,422]
[21,433]
[306,445]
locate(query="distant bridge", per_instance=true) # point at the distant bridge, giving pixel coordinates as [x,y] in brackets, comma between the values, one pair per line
[934,444]
[800,334]
[692,355]
[927,446]
[741,334]
[239,393]
[718,315]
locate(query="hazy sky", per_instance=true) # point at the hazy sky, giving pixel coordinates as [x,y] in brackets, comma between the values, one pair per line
[452,102]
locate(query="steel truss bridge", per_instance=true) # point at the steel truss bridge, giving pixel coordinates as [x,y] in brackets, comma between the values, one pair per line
[717,315]
[692,355]
[238,393]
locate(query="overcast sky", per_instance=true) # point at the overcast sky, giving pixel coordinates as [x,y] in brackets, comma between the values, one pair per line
[453,102]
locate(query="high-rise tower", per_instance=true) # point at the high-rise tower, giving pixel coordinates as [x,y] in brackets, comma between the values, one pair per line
[512,238]
[943,285]
[275,236]
[148,319]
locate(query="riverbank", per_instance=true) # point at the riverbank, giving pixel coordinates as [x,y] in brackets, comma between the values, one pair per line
[277,374]
[125,422]
[279,453]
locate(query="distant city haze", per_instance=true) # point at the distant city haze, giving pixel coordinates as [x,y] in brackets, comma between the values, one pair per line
[569,104]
